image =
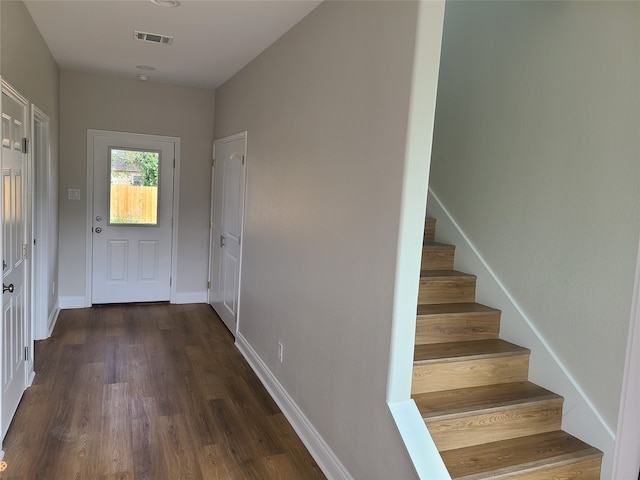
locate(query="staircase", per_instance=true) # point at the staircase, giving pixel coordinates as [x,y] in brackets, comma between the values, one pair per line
[471,387]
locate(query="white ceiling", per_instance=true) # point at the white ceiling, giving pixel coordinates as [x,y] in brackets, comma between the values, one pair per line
[213,39]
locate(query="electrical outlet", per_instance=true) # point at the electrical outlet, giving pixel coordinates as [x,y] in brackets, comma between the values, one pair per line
[280,351]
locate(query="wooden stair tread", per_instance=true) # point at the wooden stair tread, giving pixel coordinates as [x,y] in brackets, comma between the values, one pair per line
[453,309]
[467,350]
[464,400]
[432,245]
[508,458]
[444,274]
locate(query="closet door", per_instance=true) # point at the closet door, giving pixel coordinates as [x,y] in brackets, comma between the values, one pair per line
[226,227]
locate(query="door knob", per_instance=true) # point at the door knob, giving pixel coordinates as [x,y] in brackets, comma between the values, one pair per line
[98,218]
[9,288]
[98,230]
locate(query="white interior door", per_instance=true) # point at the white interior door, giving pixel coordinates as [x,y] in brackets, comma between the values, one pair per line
[227,217]
[15,245]
[132,221]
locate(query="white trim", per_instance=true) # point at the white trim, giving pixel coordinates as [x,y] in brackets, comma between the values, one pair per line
[190,297]
[328,462]
[73,302]
[418,441]
[228,139]
[580,417]
[176,210]
[1,247]
[91,133]
[7,88]
[626,458]
[41,200]
[419,444]
[211,193]
[52,320]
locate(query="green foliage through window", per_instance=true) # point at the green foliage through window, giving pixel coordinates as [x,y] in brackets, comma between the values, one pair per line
[138,167]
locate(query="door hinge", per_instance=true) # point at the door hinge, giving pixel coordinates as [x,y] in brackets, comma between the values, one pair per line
[213,163]
[243,159]
[169,281]
[26,354]
[174,163]
[25,251]
[210,225]
[208,285]
[25,145]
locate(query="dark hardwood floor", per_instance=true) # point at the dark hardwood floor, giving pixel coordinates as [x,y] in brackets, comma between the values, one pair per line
[155,392]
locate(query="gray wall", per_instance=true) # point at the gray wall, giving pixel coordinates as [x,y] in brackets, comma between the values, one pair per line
[106,103]
[536,156]
[29,67]
[326,111]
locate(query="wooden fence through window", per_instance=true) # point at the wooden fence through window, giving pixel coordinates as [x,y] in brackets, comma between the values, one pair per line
[134,204]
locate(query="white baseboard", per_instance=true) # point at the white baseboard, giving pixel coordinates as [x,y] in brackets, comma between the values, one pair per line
[190,297]
[180,298]
[328,462]
[53,319]
[580,417]
[72,302]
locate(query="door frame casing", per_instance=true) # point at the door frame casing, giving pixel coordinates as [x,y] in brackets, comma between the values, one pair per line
[41,168]
[91,134]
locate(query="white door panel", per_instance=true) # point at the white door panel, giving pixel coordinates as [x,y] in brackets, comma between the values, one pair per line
[227,218]
[132,219]
[15,218]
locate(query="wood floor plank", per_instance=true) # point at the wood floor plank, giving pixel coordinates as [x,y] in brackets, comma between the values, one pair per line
[115,452]
[148,392]
[218,462]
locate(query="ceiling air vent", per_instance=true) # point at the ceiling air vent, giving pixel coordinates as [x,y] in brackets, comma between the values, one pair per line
[153,37]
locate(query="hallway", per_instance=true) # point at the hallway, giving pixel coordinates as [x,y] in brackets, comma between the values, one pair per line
[148,392]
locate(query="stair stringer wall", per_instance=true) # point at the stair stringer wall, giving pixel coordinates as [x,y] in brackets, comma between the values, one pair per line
[580,417]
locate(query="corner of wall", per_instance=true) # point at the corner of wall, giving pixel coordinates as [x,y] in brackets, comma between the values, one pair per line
[580,417]
[69,302]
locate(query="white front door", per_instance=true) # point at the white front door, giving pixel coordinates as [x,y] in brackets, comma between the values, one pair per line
[15,245]
[132,220]
[227,217]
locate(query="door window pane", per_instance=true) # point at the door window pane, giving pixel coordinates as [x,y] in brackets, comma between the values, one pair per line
[133,193]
